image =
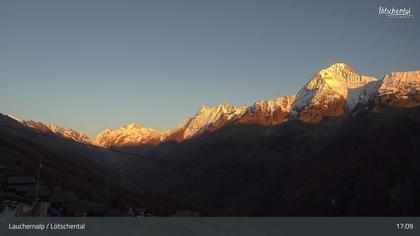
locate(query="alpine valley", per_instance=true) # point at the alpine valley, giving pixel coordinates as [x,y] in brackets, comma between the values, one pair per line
[346,144]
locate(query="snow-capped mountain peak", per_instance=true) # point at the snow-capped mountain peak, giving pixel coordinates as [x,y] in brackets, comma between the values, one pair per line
[326,94]
[132,126]
[130,134]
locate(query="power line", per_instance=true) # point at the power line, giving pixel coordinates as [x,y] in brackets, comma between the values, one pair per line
[27,130]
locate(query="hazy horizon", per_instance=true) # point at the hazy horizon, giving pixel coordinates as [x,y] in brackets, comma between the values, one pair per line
[102,64]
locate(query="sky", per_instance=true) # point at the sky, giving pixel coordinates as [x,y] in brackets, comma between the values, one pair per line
[91,65]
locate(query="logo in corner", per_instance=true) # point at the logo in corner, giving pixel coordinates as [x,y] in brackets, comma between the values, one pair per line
[400,13]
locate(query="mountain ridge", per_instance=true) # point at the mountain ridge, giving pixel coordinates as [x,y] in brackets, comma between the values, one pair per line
[331,92]
[55,129]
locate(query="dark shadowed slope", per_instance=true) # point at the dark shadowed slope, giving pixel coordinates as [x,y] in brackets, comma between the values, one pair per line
[92,173]
[364,163]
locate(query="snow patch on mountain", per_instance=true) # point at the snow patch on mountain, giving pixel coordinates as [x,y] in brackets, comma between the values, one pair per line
[401,89]
[207,118]
[69,133]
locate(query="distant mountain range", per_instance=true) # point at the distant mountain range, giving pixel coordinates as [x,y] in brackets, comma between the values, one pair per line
[330,93]
[345,145]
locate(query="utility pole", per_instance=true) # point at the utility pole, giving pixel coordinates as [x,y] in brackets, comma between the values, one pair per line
[37,181]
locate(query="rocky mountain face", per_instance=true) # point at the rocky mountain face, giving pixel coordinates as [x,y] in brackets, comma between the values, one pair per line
[401,89]
[206,119]
[55,129]
[269,112]
[209,119]
[69,133]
